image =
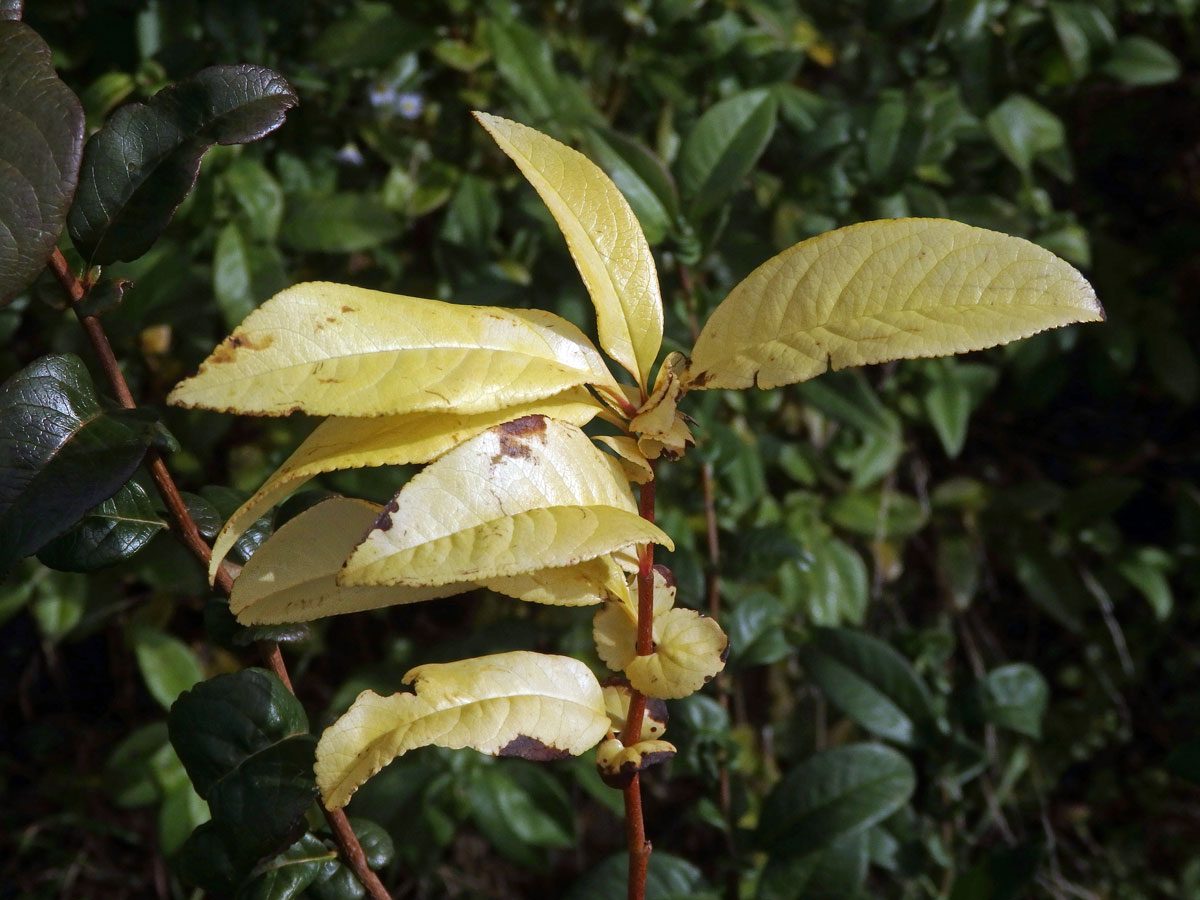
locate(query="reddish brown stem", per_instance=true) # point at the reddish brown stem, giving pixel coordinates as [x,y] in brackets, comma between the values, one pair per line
[184,526]
[635,828]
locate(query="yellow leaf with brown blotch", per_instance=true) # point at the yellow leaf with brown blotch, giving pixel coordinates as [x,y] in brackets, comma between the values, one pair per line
[526,495]
[603,235]
[336,350]
[343,443]
[291,577]
[878,291]
[531,705]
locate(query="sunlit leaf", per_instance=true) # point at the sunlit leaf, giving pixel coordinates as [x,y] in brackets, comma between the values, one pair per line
[291,577]
[582,584]
[527,495]
[618,694]
[40,148]
[510,704]
[618,764]
[604,238]
[884,290]
[336,350]
[351,443]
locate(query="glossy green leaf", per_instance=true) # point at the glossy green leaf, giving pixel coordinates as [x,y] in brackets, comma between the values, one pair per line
[668,878]
[40,148]
[289,874]
[61,453]
[884,290]
[337,223]
[641,177]
[525,62]
[871,683]
[831,588]
[723,146]
[258,195]
[222,722]
[1137,60]
[512,820]
[836,792]
[111,532]
[836,872]
[1024,129]
[1015,696]
[138,168]
[168,665]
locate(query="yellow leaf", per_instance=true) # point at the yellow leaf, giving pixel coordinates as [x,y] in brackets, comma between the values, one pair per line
[885,290]
[689,649]
[660,427]
[527,495]
[633,462]
[290,578]
[618,764]
[604,238]
[582,584]
[341,443]
[336,350]
[617,695]
[511,704]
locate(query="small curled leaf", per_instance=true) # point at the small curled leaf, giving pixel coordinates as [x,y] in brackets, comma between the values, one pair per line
[618,764]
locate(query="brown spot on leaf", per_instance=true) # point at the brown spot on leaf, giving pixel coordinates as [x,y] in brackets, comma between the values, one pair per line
[524,425]
[514,437]
[227,350]
[666,573]
[384,522]
[531,748]
[347,309]
[656,711]
[702,379]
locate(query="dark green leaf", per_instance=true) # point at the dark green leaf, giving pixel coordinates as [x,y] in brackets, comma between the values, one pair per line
[261,803]
[225,630]
[138,168]
[1139,61]
[376,842]
[60,453]
[835,792]
[258,194]
[835,873]
[168,665]
[208,860]
[754,626]
[231,276]
[1015,696]
[128,779]
[221,722]
[1004,875]
[1146,569]
[1023,130]
[508,817]
[205,514]
[341,223]
[641,177]
[878,514]
[723,146]
[373,34]
[340,885]
[113,531]
[472,215]
[524,61]
[103,297]
[226,500]
[305,862]
[40,147]
[871,683]
[832,589]
[668,878]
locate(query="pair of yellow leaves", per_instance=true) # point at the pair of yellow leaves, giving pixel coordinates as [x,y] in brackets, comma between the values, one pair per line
[537,511]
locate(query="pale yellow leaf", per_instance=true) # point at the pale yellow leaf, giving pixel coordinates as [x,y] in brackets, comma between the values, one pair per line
[336,350]
[884,290]
[617,696]
[511,704]
[604,238]
[689,650]
[633,461]
[527,495]
[582,584]
[615,626]
[290,578]
[342,443]
[618,764]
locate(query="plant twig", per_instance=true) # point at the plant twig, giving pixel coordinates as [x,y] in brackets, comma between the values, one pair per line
[635,826]
[184,527]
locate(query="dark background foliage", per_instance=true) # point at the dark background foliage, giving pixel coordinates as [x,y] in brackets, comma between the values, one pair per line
[1005,543]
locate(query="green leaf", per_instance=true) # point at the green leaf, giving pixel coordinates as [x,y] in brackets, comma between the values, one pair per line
[472,215]
[340,223]
[835,873]
[40,148]
[60,453]
[1141,62]
[231,276]
[723,146]
[139,167]
[832,589]
[373,34]
[305,862]
[878,514]
[128,778]
[207,860]
[668,878]
[641,177]
[113,531]
[168,665]
[377,844]
[871,683]
[836,792]
[182,811]
[512,820]
[524,61]
[221,722]
[258,195]
[1023,130]
[1015,697]
[1146,570]
[59,604]
[754,626]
